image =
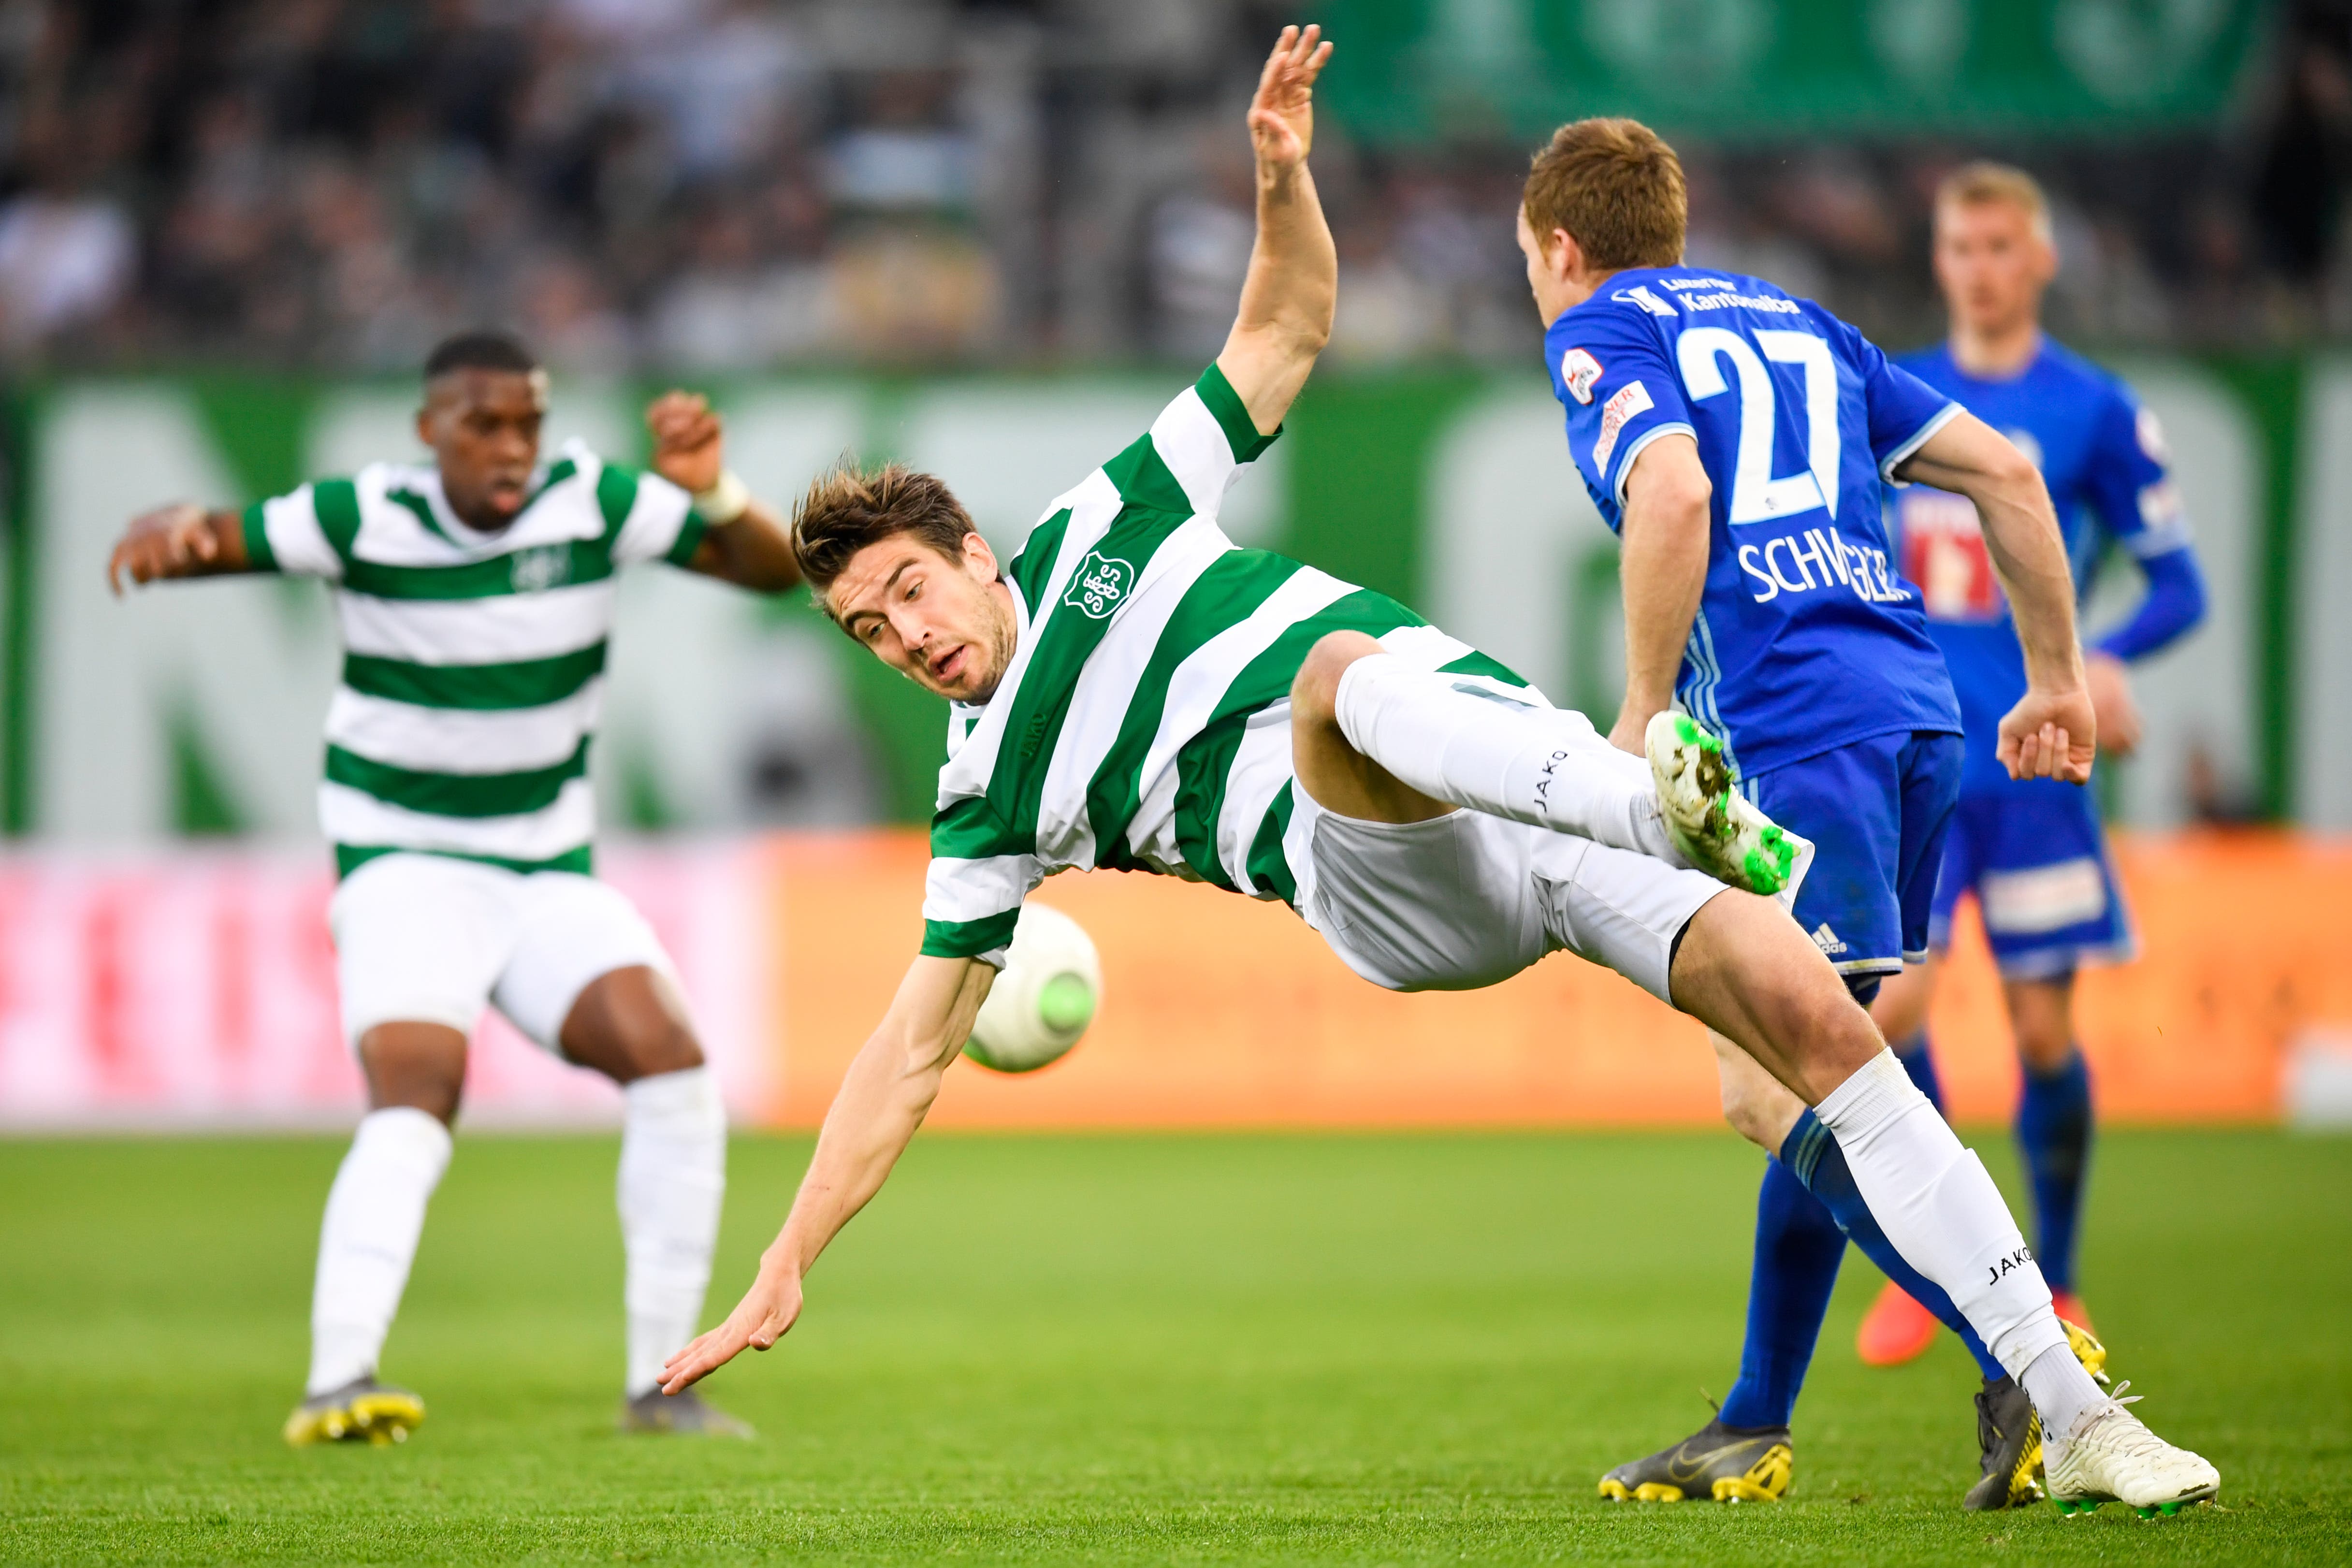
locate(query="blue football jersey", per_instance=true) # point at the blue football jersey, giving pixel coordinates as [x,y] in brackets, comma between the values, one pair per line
[2102,458]
[1806,637]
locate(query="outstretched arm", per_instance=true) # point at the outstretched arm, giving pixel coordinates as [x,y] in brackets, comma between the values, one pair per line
[2051,732]
[182,540]
[882,1099]
[1293,272]
[746,542]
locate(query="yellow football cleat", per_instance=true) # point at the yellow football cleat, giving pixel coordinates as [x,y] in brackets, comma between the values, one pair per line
[1714,1462]
[362,1411]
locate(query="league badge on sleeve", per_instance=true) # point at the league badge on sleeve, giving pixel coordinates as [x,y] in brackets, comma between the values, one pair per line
[1578,371]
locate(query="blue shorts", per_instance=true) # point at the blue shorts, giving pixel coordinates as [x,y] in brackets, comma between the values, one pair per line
[2037,862]
[1876,812]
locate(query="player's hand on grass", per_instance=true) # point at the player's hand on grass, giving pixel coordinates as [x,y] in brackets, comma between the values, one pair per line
[687,445]
[2112,701]
[175,541]
[765,1315]
[2050,735]
[1282,115]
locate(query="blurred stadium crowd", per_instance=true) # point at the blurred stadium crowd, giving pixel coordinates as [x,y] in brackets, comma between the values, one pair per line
[715,184]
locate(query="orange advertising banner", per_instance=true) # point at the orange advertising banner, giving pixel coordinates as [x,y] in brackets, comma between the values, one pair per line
[1221,1012]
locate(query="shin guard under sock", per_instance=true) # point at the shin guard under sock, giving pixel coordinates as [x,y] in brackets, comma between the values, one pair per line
[375,1212]
[673,1175]
[1940,1210]
[1813,1157]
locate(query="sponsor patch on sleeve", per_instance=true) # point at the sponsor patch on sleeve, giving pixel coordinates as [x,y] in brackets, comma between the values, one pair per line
[1578,371]
[1628,400]
[2151,437]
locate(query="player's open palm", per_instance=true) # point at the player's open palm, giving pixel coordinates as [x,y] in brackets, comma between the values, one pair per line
[2050,735]
[765,1315]
[1282,115]
[687,439]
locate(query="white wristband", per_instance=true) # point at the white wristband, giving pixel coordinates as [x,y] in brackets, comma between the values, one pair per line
[725,502]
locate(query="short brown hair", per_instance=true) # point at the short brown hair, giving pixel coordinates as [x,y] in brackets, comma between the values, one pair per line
[850,508]
[1616,186]
[1980,184]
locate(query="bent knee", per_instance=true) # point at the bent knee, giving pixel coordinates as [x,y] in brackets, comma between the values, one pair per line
[1314,691]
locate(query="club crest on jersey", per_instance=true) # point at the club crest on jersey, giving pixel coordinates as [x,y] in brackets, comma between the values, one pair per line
[539,568]
[1102,581]
[1578,371]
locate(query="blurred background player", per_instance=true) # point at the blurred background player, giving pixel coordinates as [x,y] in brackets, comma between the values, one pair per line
[1738,439]
[475,596]
[2031,853]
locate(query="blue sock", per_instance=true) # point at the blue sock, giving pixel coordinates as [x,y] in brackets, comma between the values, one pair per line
[2053,1130]
[1920,1063]
[1798,1245]
[1813,1157]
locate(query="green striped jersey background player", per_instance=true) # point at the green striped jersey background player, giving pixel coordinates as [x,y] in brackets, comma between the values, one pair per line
[474,661]
[1142,724]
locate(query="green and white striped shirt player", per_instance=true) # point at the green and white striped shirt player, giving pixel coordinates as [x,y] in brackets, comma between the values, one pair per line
[1144,724]
[473,662]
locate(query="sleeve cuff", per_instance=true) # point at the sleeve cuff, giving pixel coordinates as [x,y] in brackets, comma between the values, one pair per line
[1918,439]
[1232,415]
[985,938]
[1625,456]
[258,555]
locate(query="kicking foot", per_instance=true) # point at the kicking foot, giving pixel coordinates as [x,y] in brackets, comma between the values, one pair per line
[687,1414]
[2112,1457]
[2008,1448]
[1714,826]
[1722,1463]
[1895,1329]
[362,1411]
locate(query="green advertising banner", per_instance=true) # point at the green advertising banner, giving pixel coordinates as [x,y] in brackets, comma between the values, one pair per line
[1514,69]
[197,707]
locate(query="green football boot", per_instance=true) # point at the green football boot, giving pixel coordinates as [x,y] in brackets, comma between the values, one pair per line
[1719,830]
[1716,1463]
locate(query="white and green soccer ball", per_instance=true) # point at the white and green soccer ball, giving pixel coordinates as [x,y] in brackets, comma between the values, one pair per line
[1040,1006]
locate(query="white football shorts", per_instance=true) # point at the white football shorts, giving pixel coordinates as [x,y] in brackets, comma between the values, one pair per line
[1468,899]
[429,939]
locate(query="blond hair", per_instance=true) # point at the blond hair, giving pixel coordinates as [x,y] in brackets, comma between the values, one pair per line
[1616,186]
[1985,183]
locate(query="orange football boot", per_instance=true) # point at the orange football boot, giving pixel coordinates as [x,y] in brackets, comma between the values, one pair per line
[1895,1329]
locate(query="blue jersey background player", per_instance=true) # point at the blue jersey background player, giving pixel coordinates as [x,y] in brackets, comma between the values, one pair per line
[2031,853]
[1738,439]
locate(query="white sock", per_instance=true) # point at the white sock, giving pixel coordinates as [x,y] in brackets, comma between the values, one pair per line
[1546,766]
[2060,1390]
[673,1174]
[375,1211]
[1935,1203]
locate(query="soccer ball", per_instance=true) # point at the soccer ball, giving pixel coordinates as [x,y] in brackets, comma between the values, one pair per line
[1040,1006]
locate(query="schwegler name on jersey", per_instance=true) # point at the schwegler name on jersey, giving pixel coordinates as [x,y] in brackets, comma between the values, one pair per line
[1807,639]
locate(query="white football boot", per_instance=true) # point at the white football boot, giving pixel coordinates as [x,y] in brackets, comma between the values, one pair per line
[1715,827]
[2112,1457]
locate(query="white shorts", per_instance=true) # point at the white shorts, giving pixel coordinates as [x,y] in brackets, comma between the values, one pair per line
[1469,899]
[429,939]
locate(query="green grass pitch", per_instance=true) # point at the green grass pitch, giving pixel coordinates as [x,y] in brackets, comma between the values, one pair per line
[1210,1349]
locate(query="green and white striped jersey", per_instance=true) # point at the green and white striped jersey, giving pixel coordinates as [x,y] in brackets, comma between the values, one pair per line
[1144,723]
[473,662]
